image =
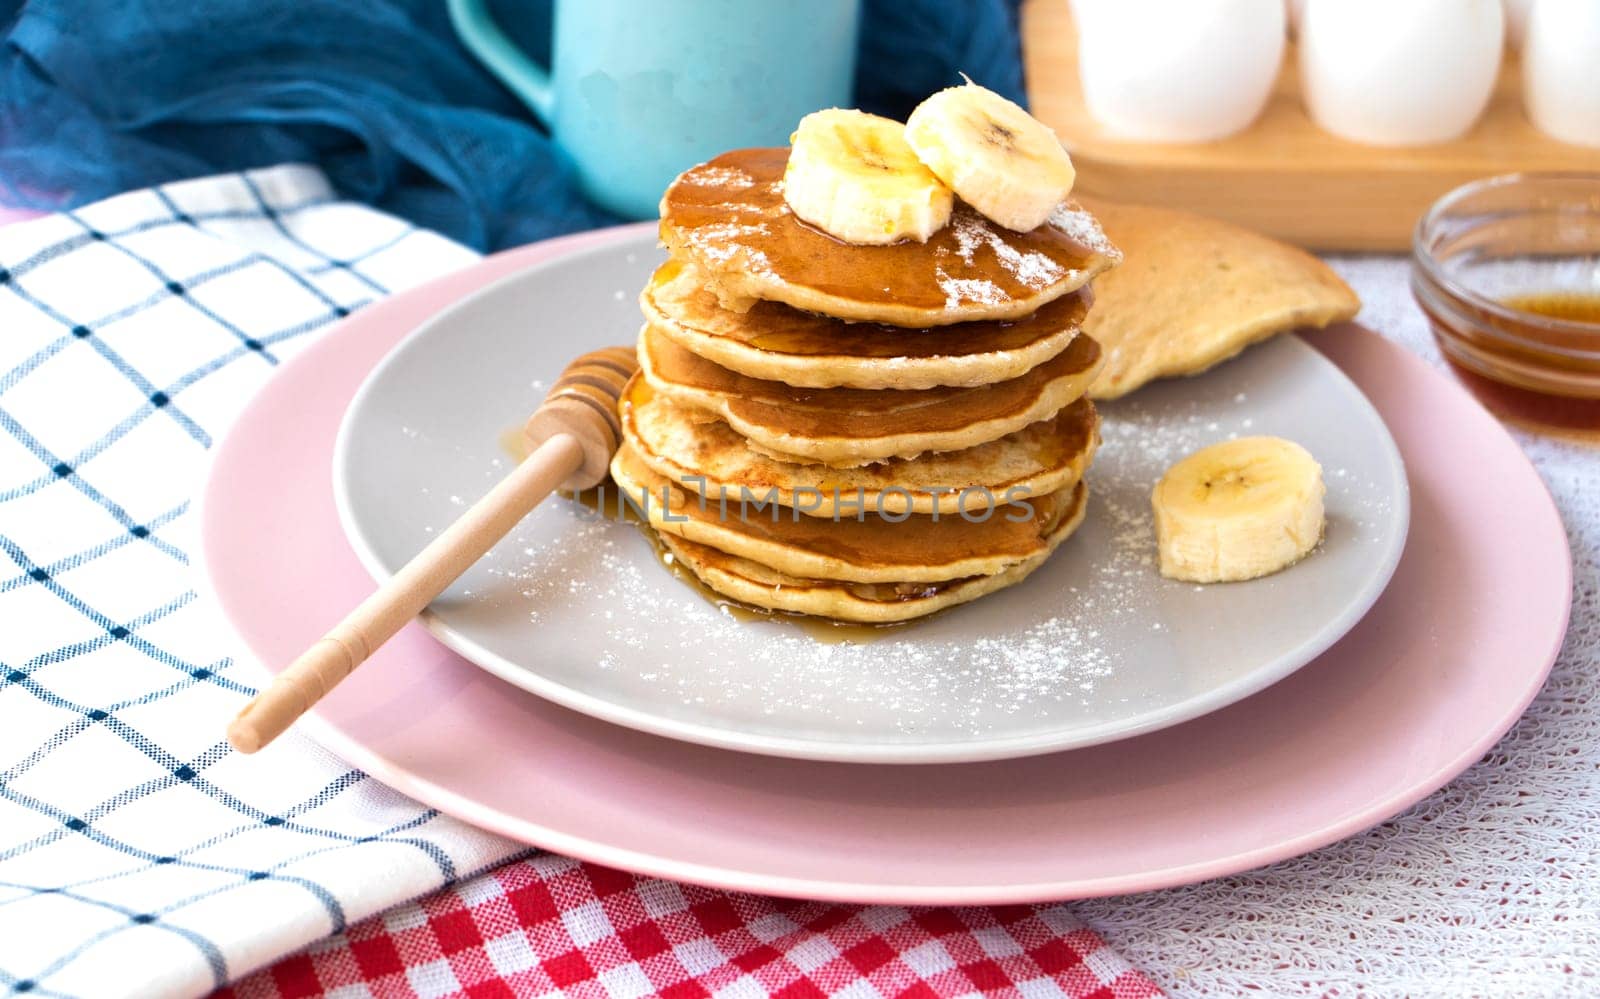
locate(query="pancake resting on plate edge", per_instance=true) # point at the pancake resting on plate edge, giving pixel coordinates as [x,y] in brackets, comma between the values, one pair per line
[1194,291]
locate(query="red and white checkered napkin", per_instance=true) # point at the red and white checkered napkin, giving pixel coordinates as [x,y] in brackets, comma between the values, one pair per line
[551,925]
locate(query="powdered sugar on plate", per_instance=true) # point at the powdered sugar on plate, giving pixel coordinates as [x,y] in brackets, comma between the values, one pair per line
[711,660]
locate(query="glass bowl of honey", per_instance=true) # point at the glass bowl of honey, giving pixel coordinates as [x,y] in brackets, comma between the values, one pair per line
[1507,271]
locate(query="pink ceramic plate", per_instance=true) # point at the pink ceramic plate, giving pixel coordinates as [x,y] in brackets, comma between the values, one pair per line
[1424,685]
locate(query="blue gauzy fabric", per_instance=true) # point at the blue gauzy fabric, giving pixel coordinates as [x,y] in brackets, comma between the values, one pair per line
[101,96]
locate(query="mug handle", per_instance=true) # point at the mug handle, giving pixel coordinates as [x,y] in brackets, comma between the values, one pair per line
[484,39]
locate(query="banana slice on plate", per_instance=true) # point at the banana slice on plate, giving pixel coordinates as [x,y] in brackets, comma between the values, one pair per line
[1000,159]
[1238,510]
[853,175]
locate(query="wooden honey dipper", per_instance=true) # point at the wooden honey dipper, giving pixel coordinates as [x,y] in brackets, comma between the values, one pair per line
[575,432]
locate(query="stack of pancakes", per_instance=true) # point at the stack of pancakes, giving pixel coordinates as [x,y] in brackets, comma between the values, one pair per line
[865,433]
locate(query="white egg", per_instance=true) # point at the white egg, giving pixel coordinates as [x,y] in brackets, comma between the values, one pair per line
[1517,21]
[1561,70]
[1178,70]
[1400,72]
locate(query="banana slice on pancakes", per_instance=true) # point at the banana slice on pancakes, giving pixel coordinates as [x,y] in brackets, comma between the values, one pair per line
[997,157]
[1238,510]
[852,175]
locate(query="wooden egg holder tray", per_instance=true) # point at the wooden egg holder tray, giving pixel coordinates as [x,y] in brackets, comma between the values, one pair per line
[1283,175]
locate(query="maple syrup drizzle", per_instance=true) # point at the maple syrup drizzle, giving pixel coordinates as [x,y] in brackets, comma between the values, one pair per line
[732,208]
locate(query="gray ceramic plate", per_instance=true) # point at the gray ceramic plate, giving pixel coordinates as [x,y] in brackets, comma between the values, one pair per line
[1095,646]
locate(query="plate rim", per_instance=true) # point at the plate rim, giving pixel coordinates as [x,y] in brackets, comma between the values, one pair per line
[397,776]
[989,749]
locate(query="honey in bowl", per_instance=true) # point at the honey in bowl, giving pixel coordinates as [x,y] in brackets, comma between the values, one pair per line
[1529,378]
[1578,307]
[1507,271]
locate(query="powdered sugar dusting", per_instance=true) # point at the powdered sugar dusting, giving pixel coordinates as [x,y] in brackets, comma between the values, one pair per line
[1083,228]
[724,177]
[722,662]
[1029,268]
[969,236]
[969,291]
[722,242]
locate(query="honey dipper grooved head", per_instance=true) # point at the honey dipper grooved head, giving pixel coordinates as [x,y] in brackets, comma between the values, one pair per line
[583,403]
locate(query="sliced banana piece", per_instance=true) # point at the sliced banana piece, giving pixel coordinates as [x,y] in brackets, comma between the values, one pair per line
[1238,510]
[852,175]
[1000,159]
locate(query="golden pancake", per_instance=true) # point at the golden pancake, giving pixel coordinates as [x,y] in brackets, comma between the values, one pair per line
[870,603]
[1194,291]
[703,453]
[846,427]
[728,216]
[778,343]
[873,549]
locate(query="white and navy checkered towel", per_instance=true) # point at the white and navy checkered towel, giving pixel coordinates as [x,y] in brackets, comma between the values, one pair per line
[137,854]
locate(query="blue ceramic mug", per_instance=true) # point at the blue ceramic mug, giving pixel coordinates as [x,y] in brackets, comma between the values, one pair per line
[642,89]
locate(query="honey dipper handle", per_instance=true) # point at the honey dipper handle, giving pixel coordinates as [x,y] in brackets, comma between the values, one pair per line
[570,429]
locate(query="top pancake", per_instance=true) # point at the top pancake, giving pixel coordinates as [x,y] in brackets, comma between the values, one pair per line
[728,216]
[775,342]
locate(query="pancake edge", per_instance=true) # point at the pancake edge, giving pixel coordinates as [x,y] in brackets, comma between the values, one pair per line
[889,500]
[850,371]
[848,452]
[791,559]
[836,602]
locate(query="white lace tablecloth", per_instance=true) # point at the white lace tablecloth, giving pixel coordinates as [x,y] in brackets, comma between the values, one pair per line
[1491,887]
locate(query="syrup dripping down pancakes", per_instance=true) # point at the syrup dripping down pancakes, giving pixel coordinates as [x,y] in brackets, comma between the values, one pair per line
[866,433]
